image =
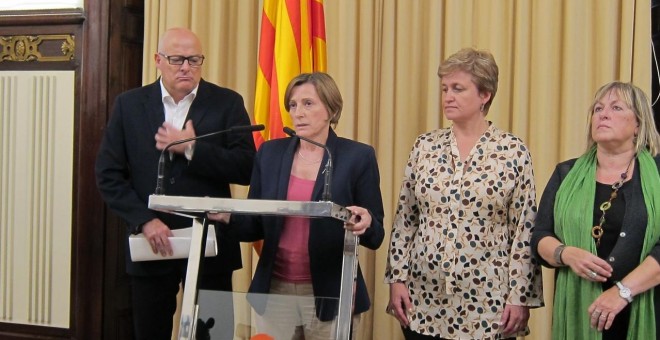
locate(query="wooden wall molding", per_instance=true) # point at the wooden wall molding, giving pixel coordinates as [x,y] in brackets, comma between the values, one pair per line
[37,48]
[42,17]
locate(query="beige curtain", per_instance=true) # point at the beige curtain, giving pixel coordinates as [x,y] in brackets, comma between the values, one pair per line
[384,54]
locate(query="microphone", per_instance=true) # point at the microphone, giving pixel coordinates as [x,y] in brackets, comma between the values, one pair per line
[328,166]
[160,190]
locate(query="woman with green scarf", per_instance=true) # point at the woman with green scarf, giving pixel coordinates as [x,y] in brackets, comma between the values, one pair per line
[598,224]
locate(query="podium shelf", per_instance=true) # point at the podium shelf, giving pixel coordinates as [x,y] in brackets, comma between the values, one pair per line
[248,206]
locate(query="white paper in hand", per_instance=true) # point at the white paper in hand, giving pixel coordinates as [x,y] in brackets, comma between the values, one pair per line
[180,241]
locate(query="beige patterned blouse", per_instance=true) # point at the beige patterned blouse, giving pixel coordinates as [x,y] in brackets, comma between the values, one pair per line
[461,234]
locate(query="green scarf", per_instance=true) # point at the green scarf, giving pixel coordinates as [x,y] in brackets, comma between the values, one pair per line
[573,294]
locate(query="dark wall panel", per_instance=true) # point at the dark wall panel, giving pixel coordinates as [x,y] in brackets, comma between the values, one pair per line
[107,61]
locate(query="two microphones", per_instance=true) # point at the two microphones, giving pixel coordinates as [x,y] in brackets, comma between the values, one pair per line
[160,190]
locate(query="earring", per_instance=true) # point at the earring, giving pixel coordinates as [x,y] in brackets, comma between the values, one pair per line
[482,107]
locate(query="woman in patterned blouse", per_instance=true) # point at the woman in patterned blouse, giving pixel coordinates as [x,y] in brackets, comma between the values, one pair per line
[459,263]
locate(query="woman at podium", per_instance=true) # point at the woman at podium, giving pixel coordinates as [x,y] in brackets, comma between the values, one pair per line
[302,257]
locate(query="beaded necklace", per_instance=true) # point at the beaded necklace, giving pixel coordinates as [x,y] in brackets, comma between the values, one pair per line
[597,230]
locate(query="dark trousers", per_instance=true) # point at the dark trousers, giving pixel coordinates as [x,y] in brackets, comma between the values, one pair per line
[412,335]
[154,302]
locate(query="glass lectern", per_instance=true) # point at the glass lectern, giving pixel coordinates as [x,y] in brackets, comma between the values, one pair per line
[245,324]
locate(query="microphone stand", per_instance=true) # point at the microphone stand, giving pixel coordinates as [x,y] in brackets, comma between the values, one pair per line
[327,180]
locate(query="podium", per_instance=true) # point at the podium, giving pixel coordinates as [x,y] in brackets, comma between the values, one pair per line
[188,206]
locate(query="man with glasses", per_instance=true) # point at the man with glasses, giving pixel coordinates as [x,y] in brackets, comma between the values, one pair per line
[144,121]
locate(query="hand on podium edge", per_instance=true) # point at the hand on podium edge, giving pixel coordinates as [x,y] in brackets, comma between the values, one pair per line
[359,221]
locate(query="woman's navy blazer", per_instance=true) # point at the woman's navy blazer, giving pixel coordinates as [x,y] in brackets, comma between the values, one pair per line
[355,181]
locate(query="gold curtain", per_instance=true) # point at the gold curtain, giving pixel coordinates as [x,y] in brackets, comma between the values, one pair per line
[384,55]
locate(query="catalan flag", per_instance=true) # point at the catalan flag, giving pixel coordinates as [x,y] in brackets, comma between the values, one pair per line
[292,42]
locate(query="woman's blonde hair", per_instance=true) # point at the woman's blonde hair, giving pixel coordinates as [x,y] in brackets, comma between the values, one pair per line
[647,136]
[478,63]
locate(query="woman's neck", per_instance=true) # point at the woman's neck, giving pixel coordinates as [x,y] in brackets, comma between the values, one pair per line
[612,166]
[310,148]
[614,160]
[321,138]
[470,130]
[467,136]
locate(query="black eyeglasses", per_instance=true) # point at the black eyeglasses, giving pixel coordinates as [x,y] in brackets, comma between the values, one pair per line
[193,60]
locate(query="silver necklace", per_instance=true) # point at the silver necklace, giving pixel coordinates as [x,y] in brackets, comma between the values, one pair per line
[309,160]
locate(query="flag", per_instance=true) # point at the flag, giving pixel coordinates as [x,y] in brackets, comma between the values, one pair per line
[292,42]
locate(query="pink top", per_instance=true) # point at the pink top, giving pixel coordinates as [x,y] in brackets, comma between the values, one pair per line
[292,259]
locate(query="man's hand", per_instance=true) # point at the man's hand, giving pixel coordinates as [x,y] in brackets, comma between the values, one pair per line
[168,133]
[157,233]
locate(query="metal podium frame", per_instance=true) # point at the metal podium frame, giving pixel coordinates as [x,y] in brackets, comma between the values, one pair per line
[186,204]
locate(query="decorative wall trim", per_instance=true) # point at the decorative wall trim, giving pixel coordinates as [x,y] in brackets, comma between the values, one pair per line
[39,48]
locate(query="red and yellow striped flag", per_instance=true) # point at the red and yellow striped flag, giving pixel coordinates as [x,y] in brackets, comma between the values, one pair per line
[292,42]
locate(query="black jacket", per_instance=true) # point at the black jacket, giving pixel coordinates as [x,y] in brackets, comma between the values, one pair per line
[127,162]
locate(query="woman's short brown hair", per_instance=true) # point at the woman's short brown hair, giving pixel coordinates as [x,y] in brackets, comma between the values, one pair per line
[325,87]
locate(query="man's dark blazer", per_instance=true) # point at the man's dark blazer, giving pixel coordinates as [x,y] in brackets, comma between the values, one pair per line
[355,181]
[127,163]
